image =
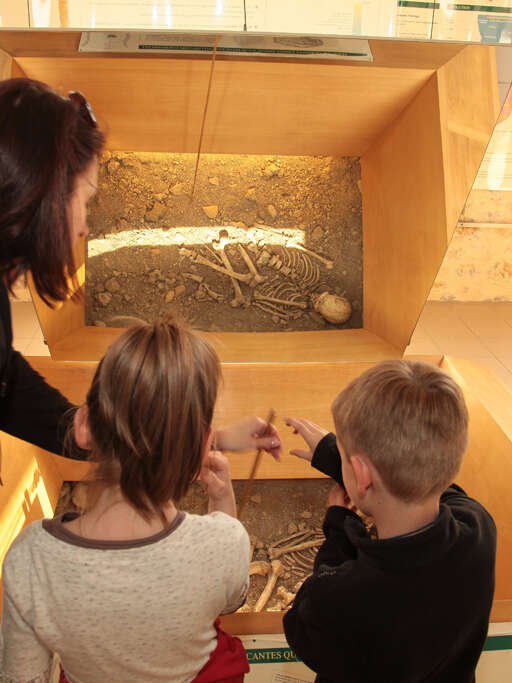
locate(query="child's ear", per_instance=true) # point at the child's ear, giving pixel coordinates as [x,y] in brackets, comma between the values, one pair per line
[208,440]
[362,474]
[81,428]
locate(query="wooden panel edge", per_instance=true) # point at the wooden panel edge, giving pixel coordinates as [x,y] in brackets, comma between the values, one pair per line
[248,623]
[68,316]
[469,107]
[404,218]
[89,343]
[501,611]
[5,65]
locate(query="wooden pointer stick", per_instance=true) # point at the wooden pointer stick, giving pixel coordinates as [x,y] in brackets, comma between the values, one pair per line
[249,482]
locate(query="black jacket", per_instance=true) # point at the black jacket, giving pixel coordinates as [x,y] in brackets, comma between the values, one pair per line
[408,609]
[29,408]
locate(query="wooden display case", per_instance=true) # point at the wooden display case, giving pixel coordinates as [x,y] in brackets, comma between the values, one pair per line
[419,116]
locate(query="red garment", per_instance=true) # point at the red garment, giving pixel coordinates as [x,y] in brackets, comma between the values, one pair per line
[227,664]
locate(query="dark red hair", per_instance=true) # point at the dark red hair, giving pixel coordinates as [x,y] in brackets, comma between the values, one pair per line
[45,143]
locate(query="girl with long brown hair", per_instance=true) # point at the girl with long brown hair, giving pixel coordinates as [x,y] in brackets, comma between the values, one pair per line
[144,582]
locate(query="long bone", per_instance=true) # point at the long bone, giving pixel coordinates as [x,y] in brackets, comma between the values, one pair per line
[276,569]
[239,299]
[248,262]
[243,277]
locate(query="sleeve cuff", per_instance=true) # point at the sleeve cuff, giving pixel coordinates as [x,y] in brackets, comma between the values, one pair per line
[327,459]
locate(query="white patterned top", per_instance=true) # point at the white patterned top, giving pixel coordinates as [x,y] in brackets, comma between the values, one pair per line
[131,611]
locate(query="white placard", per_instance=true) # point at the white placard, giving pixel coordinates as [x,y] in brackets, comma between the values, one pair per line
[377,18]
[183,15]
[240,45]
[322,17]
[477,22]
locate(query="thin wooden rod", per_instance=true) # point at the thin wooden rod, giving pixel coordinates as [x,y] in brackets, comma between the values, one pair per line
[249,482]
[212,64]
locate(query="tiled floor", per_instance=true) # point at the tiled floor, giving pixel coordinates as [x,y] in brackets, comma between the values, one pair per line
[477,331]
[481,332]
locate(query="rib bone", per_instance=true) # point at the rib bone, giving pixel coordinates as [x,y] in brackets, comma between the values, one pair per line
[277,552]
[283,302]
[327,262]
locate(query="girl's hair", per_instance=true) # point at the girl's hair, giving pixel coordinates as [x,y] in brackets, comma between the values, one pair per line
[410,419]
[46,141]
[150,405]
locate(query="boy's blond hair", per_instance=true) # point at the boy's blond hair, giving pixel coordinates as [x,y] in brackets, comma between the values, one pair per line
[410,419]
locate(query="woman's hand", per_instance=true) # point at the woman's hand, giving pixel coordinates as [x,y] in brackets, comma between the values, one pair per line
[310,432]
[252,432]
[216,481]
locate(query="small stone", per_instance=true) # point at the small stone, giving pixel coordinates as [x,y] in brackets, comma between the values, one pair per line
[256,498]
[211,211]
[104,298]
[270,170]
[317,233]
[292,528]
[156,213]
[213,181]
[306,514]
[360,186]
[272,210]
[112,285]
[178,189]
[251,194]
[169,296]
[155,275]
[112,166]
[180,289]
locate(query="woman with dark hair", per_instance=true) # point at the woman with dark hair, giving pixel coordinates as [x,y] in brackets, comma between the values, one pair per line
[49,147]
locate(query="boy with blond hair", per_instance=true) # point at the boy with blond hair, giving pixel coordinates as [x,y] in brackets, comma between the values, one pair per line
[413,604]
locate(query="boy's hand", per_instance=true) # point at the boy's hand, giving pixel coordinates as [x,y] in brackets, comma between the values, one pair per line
[215,476]
[247,434]
[338,496]
[310,432]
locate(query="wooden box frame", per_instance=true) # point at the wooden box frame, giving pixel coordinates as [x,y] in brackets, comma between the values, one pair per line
[419,116]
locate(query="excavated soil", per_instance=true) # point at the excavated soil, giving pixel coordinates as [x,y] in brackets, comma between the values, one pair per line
[289,227]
